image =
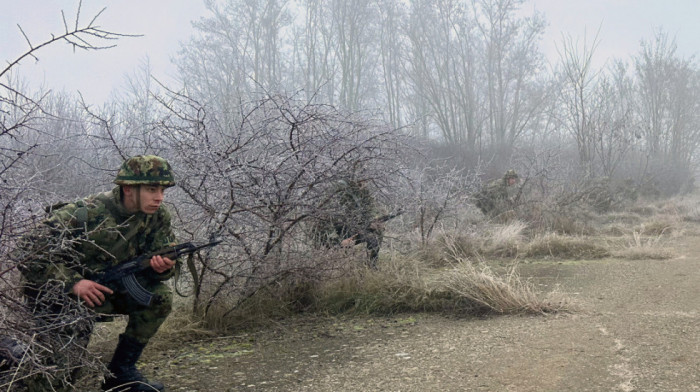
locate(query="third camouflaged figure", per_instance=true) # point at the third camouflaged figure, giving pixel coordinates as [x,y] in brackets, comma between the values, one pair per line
[497,197]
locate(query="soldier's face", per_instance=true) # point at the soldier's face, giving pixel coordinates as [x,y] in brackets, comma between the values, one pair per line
[512,181]
[144,198]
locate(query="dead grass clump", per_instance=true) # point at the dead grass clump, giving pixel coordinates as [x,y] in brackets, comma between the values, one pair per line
[565,247]
[622,218]
[504,241]
[407,285]
[570,225]
[500,294]
[692,215]
[656,227]
[402,285]
[615,230]
[639,247]
[457,244]
[492,241]
[644,210]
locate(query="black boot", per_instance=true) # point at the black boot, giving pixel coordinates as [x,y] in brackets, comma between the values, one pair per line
[125,376]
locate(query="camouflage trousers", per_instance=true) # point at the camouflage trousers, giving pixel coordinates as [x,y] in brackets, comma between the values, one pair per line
[373,240]
[67,328]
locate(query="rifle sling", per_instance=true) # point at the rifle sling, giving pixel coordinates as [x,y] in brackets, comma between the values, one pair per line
[193,271]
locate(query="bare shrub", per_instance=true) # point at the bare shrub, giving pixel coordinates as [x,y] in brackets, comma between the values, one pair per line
[565,247]
[260,176]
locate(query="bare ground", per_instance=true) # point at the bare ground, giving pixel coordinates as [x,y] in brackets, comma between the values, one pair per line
[637,329]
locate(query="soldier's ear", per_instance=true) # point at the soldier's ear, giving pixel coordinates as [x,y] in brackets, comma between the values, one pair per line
[127,190]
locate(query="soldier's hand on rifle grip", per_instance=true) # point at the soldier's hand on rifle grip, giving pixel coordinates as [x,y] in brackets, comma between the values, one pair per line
[348,242]
[161,264]
[91,292]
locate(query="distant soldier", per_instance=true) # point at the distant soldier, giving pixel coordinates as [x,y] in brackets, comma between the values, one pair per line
[498,196]
[352,221]
[65,254]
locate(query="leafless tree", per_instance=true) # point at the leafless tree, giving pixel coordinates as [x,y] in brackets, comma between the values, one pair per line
[578,86]
[442,70]
[511,65]
[668,108]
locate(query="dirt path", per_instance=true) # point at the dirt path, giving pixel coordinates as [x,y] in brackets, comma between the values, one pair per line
[638,330]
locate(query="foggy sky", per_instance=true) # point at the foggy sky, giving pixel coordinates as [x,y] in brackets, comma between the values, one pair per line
[622,23]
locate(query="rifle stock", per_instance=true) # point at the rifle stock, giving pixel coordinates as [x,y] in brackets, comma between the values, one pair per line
[127,270]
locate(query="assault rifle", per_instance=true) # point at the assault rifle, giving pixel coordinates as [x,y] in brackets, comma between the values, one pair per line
[388,217]
[126,271]
[379,219]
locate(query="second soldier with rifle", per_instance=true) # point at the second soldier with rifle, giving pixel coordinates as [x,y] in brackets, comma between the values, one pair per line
[352,220]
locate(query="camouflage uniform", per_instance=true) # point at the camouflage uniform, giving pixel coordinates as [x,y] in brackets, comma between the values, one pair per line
[101,233]
[353,216]
[496,197]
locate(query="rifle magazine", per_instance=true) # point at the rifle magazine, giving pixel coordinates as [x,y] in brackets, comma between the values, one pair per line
[137,292]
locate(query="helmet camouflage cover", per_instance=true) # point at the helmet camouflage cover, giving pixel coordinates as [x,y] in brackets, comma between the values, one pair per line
[510,174]
[145,169]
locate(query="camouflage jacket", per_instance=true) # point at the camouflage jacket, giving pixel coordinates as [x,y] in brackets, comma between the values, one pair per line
[496,197]
[351,213]
[82,238]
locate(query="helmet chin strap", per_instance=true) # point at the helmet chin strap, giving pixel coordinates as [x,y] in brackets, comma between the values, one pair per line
[134,200]
[138,198]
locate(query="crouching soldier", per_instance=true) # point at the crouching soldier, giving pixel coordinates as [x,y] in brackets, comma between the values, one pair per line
[497,197]
[352,220]
[80,239]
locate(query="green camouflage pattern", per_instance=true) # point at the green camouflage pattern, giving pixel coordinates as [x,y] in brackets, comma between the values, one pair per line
[497,196]
[76,241]
[100,233]
[351,215]
[510,174]
[145,169]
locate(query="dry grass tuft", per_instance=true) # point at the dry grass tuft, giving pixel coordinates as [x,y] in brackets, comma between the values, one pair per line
[565,247]
[504,241]
[500,294]
[639,247]
[657,227]
[403,284]
[692,215]
[492,241]
[644,210]
[627,218]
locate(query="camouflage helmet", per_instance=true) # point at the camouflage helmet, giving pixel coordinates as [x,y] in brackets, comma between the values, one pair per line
[510,174]
[144,170]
